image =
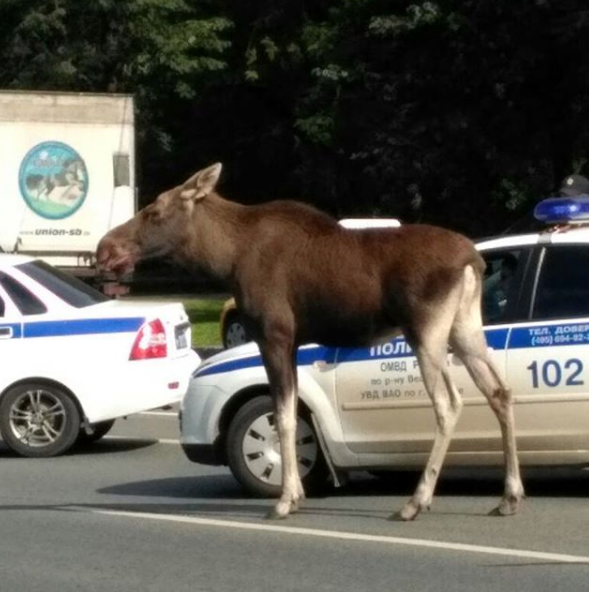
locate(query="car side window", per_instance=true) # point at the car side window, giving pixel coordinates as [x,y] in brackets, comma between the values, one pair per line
[26,301]
[563,285]
[499,287]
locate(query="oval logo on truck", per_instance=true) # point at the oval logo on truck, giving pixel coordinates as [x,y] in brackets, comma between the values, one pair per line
[53,180]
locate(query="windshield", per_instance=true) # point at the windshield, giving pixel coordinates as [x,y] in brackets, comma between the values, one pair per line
[65,286]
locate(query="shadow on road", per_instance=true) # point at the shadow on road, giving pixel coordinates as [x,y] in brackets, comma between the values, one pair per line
[538,482]
[202,487]
[90,449]
[220,496]
[483,483]
[112,446]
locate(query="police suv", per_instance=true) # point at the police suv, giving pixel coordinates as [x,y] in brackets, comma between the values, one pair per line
[367,409]
[72,361]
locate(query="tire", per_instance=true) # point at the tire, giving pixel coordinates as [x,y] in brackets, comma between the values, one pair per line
[38,420]
[253,451]
[99,430]
[234,331]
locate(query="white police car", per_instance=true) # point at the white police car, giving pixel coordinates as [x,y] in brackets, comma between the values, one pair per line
[366,408]
[72,361]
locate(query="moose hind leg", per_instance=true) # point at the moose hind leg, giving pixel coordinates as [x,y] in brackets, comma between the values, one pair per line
[447,405]
[499,397]
[471,348]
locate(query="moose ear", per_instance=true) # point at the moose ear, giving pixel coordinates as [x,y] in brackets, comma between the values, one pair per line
[201,183]
[188,194]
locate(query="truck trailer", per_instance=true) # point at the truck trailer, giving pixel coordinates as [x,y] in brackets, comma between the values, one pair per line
[67,174]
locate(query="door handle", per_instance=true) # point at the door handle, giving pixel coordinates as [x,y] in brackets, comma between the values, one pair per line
[6,332]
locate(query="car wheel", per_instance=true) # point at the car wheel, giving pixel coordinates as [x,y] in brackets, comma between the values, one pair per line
[38,420]
[234,332]
[99,430]
[253,450]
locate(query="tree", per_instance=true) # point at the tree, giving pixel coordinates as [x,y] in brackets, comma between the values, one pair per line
[458,112]
[451,112]
[165,52]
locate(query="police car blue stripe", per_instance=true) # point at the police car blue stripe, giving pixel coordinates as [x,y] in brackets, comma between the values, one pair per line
[16,329]
[305,357]
[549,335]
[396,348]
[229,366]
[535,336]
[81,327]
[497,338]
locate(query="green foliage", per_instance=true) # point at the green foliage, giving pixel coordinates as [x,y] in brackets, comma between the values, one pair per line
[204,315]
[462,113]
[511,195]
[318,128]
[161,50]
[448,112]
[172,46]
[416,16]
[120,45]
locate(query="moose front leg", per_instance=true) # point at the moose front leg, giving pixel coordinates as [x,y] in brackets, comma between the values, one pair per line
[292,488]
[281,369]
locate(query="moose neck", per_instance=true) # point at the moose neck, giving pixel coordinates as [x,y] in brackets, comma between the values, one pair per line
[217,235]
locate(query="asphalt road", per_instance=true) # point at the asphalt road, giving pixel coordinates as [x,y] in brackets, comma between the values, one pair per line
[132,513]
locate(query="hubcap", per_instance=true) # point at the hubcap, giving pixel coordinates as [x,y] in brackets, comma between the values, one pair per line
[261,449]
[235,335]
[37,418]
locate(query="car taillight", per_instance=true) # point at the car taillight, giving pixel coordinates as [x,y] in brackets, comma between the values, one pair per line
[150,342]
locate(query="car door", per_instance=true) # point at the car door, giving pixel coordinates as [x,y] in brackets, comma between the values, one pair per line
[7,328]
[377,389]
[383,406]
[548,356]
[10,338]
[20,305]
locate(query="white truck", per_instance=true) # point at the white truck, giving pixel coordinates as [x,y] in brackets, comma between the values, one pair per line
[67,173]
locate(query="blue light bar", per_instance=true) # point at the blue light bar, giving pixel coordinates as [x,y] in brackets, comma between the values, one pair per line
[559,210]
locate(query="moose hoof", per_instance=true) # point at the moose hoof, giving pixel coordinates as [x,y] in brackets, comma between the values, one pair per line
[406,514]
[274,514]
[282,510]
[507,507]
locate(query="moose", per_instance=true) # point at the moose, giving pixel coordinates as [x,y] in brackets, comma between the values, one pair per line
[300,277]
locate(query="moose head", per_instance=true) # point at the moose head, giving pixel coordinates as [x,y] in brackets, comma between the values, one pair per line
[160,229]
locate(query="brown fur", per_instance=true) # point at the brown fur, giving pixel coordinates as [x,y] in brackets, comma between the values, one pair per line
[299,277]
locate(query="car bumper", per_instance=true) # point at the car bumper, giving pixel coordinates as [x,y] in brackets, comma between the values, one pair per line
[148,384]
[200,416]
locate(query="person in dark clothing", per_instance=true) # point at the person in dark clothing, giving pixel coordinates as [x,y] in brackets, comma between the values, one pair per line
[574,185]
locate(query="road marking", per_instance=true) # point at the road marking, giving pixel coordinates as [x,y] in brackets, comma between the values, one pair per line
[349,536]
